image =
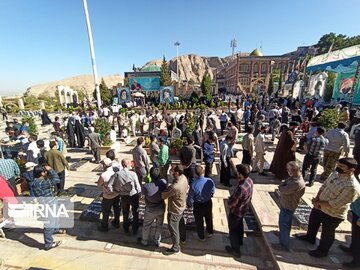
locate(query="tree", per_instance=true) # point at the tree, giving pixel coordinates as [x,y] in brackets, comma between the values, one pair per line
[271,85]
[340,41]
[165,78]
[280,81]
[206,87]
[191,82]
[105,93]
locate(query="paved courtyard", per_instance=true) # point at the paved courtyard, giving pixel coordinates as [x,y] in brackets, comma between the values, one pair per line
[85,248]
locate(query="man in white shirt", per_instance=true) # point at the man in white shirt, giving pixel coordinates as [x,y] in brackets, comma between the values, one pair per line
[33,152]
[239,116]
[260,151]
[130,191]
[106,112]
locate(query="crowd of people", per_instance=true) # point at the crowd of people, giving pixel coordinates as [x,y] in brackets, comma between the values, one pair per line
[189,183]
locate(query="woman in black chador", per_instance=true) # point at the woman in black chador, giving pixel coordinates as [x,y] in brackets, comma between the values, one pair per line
[45,118]
[71,134]
[80,134]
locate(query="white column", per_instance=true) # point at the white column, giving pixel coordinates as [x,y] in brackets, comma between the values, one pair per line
[1,102]
[21,104]
[42,105]
[59,89]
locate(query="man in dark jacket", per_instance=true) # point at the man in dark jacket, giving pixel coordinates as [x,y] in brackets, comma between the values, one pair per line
[188,159]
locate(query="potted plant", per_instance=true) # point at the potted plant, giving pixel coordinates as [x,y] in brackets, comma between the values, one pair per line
[175,146]
[103,127]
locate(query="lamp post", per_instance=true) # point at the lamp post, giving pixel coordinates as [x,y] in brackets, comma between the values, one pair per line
[92,53]
[177,44]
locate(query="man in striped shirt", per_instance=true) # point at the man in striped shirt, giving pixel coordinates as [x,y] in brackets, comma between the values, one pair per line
[314,149]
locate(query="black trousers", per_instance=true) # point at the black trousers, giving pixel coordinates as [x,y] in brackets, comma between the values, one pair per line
[203,211]
[225,173]
[236,231]
[106,206]
[246,157]
[60,186]
[208,169]
[329,225]
[222,126]
[355,239]
[189,172]
[96,153]
[126,202]
[310,162]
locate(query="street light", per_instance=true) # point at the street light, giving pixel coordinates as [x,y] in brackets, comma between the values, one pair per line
[92,53]
[177,44]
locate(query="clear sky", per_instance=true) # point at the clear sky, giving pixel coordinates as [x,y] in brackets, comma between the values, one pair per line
[46,40]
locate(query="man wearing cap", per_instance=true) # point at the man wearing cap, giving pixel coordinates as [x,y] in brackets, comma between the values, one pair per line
[331,206]
[154,206]
[141,160]
[111,197]
[29,175]
[285,151]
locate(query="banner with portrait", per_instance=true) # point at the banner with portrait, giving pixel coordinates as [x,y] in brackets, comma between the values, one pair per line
[144,83]
[123,95]
[166,94]
[317,85]
[344,83]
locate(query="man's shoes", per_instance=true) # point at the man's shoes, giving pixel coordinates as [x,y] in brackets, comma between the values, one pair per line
[279,247]
[170,251]
[351,265]
[254,171]
[317,253]
[183,241]
[142,242]
[209,235]
[234,252]
[310,184]
[60,231]
[102,229]
[53,245]
[263,174]
[345,249]
[115,224]
[304,237]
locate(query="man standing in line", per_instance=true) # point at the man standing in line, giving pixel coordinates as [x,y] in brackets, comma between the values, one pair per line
[176,195]
[163,160]
[224,118]
[94,144]
[314,148]
[32,152]
[141,160]
[57,161]
[188,159]
[338,141]
[209,154]
[154,150]
[130,190]
[239,202]
[291,192]
[239,117]
[331,205]
[111,197]
[225,155]
[248,146]
[260,149]
[200,194]
[154,207]
[247,117]
[354,248]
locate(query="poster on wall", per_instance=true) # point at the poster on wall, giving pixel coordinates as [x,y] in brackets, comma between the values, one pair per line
[317,85]
[144,83]
[123,94]
[343,84]
[166,94]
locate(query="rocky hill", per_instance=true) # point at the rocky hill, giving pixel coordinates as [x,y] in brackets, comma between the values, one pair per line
[81,82]
[193,66]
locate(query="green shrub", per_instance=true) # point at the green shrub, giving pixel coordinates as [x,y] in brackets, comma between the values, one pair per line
[329,119]
[32,125]
[103,127]
[177,144]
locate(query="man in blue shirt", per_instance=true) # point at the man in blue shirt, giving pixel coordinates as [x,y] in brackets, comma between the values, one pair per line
[354,248]
[247,118]
[209,154]
[200,194]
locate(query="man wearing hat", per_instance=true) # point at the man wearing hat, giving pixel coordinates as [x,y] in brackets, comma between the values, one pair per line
[29,175]
[154,206]
[331,206]
[285,151]
[111,198]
